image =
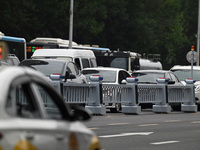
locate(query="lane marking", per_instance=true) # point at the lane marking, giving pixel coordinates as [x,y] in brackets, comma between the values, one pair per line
[195,122]
[144,125]
[165,142]
[172,121]
[112,124]
[126,134]
[93,128]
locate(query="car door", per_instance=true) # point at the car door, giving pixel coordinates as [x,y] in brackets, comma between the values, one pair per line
[54,111]
[30,129]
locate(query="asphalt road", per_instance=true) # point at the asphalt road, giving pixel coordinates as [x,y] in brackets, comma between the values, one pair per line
[147,131]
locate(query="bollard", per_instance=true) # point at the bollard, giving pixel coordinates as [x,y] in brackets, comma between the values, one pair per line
[190,106]
[97,107]
[132,107]
[162,105]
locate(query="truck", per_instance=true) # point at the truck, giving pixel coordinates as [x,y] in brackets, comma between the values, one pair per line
[127,60]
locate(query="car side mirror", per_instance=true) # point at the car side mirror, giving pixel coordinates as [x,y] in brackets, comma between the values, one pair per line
[69,76]
[171,82]
[79,113]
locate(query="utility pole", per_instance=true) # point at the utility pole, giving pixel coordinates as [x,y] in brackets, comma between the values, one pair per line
[198,34]
[71,23]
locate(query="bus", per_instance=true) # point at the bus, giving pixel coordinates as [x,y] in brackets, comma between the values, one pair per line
[16,46]
[56,43]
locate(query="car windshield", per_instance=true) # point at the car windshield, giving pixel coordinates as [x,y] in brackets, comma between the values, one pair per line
[147,77]
[108,75]
[184,74]
[49,67]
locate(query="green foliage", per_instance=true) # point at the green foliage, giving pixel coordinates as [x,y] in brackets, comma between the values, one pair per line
[166,27]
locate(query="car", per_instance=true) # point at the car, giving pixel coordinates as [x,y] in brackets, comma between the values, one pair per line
[150,77]
[65,68]
[34,115]
[110,76]
[184,72]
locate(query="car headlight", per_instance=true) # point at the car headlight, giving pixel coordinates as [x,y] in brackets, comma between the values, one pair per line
[95,144]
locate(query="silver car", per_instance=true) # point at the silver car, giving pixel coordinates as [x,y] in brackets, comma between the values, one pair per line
[65,68]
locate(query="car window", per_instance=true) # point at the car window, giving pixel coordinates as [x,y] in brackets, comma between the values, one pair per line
[21,102]
[51,107]
[49,67]
[93,62]
[77,62]
[109,76]
[85,62]
[184,74]
[147,77]
[174,78]
[72,68]
[168,76]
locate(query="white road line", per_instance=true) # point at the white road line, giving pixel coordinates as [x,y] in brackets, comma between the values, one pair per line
[112,124]
[165,142]
[126,134]
[195,122]
[93,128]
[144,125]
[172,121]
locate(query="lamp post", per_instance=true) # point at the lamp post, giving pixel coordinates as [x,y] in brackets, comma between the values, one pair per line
[71,23]
[198,34]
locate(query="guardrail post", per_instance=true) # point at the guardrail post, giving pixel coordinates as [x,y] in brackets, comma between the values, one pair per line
[162,105]
[97,106]
[132,107]
[190,106]
[56,83]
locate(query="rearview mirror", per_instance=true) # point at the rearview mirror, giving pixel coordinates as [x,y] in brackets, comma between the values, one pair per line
[79,113]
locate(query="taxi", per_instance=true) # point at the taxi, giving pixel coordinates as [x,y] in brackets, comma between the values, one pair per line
[33,115]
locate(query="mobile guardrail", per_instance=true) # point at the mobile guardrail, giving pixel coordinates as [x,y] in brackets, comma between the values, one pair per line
[95,95]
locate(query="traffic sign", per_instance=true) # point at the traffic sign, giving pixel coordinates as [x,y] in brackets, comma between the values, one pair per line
[192,55]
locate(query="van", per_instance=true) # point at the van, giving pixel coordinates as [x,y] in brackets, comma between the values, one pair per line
[83,58]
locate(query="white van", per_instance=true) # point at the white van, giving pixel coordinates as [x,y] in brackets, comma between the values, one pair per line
[83,58]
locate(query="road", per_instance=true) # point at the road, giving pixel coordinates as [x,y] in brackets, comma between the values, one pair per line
[147,131]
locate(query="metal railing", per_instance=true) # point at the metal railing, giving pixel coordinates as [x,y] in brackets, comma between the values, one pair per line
[130,95]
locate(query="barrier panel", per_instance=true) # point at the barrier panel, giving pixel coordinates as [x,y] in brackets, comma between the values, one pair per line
[95,95]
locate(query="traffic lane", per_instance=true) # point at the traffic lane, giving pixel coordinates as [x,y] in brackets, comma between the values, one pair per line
[169,130]
[164,135]
[146,116]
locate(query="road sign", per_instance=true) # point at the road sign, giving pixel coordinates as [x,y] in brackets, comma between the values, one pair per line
[190,57]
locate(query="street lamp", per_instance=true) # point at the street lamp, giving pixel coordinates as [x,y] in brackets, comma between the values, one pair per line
[198,33]
[71,23]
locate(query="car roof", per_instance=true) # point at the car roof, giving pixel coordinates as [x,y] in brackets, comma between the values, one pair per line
[104,68]
[32,61]
[152,71]
[185,67]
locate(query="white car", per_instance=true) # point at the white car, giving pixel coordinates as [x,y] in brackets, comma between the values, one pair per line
[34,116]
[110,76]
[184,72]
